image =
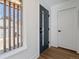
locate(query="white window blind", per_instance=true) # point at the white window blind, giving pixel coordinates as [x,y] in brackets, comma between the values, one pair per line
[11,15]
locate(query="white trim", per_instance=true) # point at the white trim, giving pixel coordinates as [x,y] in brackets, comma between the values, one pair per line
[10,53]
[35,57]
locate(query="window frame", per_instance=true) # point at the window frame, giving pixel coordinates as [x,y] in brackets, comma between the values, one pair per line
[17,50]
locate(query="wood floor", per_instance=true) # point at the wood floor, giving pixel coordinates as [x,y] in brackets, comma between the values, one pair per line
[58,53]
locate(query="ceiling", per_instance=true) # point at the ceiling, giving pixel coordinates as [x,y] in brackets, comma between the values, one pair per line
[54,2]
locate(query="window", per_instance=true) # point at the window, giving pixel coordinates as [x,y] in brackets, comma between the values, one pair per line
[10,25]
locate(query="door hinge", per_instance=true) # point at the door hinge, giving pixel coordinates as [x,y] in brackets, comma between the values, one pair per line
[48,42]
[48,15]
[48,29]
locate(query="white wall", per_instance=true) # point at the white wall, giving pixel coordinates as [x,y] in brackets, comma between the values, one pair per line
[54,30]
[31,28]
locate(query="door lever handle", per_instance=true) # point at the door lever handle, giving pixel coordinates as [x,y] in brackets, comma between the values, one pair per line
[59,30]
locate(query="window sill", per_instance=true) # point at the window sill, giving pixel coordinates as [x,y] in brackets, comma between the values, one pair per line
[13,52]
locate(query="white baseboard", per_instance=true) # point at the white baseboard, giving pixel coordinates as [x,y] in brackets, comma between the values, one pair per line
[35,57]
[54,45]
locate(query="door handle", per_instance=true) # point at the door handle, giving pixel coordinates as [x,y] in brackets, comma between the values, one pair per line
[48,42]
[59,30]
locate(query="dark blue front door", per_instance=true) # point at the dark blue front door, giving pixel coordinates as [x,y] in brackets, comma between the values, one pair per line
[44,29]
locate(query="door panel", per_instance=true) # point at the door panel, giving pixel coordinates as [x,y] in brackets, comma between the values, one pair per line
[66,25]
[46,29]
[44,32]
